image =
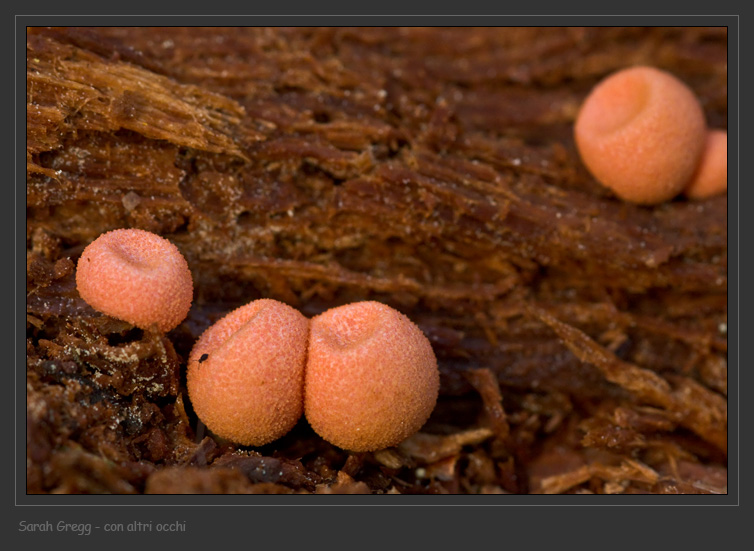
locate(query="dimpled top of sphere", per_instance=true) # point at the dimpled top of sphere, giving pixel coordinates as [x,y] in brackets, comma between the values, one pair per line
[136,276]
[246,373]
[371,379]
[711,176]
[641,132]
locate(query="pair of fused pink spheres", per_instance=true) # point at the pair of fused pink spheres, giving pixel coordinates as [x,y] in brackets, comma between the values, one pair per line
[363,374]
[642,133]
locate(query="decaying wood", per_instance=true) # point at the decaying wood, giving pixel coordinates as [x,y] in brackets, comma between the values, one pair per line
[581,340]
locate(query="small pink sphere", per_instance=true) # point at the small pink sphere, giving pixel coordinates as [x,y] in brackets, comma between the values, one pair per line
[371,377]
[641,132]
[136,276]
[711,176]
[246,373]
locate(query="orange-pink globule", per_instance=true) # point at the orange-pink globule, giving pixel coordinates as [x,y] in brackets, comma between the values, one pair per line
[136,276]
[246,372]
[711,176]
[641,132]
[372,378]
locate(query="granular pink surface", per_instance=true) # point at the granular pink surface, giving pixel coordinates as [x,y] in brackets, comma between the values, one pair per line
[246,372]
[372,378]
[641,132]
[136,276]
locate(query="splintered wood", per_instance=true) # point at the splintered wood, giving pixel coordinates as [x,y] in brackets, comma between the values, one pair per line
[582,341]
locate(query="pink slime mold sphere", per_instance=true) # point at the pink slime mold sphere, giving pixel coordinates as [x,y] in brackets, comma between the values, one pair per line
[246,373]
[641,133]
[711,176]
[136,276]
[371,379]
